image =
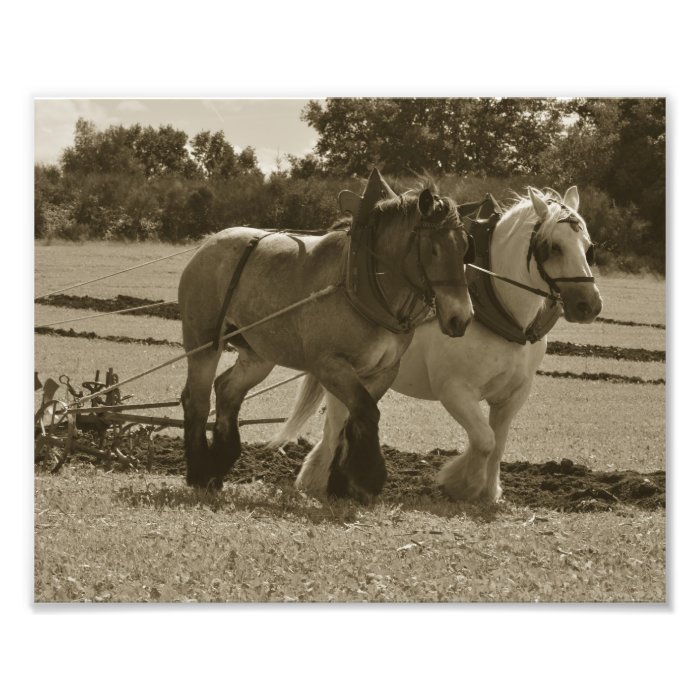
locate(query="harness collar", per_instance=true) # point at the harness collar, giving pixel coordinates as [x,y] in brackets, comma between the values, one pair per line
[362,280]
[488,309]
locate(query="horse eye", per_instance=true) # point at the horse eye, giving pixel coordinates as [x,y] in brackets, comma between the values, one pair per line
[556,248]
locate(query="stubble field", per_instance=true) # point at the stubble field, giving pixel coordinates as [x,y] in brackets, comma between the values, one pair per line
[562,533]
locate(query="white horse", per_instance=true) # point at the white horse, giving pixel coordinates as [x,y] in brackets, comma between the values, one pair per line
[539,242]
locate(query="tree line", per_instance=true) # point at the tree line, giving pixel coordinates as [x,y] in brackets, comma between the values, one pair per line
[146,183]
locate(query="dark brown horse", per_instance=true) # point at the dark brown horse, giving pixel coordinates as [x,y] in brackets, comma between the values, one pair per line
[419,241]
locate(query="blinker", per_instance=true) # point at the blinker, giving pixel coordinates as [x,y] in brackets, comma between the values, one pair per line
[470,255]
[590,254]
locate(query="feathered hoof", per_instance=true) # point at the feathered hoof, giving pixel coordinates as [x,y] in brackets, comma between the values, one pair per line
[460,488]
[340,485]
[204,481]
[310,486]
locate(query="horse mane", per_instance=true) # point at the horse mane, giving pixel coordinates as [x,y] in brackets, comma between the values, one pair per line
[342,223]
[521,212]
[404,205]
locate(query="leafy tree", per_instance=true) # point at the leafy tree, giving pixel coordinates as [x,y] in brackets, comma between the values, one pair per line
[304,167]
[107,151]
[163,151]
[583,153]
[619,147]
[248,162]
[215,158]
[477,136]
[638,167]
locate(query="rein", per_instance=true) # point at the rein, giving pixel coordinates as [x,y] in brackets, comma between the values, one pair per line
[555,293]
[534,290]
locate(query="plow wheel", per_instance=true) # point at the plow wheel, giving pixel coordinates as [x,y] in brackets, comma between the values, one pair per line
[54,433]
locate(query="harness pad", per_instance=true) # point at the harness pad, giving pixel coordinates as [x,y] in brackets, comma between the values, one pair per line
[360,281]
[488,310]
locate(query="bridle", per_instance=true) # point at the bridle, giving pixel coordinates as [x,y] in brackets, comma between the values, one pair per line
[534,252]
[554,293]
[420,236]
[424,291]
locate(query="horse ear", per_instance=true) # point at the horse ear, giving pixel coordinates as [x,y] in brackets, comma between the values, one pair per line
[426,203]
[377,187]
[571,198]
[349,202]
[538,203]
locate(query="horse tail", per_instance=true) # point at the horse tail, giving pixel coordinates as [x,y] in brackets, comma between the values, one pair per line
[307,400]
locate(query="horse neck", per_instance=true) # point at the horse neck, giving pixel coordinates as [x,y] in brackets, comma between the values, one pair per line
[391,243]
[509,252]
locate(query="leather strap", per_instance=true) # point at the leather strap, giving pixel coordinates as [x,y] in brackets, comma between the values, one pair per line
[487,307]
[235,278]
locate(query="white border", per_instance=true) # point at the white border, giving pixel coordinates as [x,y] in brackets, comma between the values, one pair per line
[360,48]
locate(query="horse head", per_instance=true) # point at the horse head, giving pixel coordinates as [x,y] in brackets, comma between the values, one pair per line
[437,246]
[427,261]
[562,251]
[418,243]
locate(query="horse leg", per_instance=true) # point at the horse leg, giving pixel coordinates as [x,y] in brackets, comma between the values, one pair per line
[231,387]
[464,477]
[500,418]
[357,468]
[201,369]
[313,477]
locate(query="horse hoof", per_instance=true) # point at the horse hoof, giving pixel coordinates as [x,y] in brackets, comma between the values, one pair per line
[461,491]
[210,483]
[338,484]
[310,488]
[357,493]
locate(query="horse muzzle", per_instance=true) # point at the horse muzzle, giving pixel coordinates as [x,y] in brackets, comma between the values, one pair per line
[454,323]
[581,306]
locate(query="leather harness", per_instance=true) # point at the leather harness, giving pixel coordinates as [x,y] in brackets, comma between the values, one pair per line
[235,278]
[363,287]
[488,309]
[366,294]
[534,253]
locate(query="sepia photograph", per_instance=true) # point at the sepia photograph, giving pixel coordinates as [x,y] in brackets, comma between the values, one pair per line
[350,349]
[362,341]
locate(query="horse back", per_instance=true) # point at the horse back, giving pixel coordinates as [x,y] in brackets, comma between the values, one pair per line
[280,270]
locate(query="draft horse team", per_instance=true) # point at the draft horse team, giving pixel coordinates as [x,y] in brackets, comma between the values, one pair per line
[399,315]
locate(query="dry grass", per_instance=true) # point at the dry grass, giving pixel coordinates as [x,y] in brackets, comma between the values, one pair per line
[119,537]
[115,537]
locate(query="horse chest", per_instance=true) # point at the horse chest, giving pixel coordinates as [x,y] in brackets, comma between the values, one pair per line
[499,387]
[385,352]
[510,372]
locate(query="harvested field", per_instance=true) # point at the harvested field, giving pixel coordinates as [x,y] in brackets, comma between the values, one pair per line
[583,516]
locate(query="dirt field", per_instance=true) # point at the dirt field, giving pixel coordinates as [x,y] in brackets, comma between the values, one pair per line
[584,474]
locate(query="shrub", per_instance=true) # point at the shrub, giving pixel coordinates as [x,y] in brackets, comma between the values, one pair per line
[177,208]
[624,239]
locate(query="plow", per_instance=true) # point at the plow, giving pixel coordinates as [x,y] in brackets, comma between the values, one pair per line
[102,423]
[101,429]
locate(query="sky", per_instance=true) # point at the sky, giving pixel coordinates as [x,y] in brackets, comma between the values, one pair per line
[272,127]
